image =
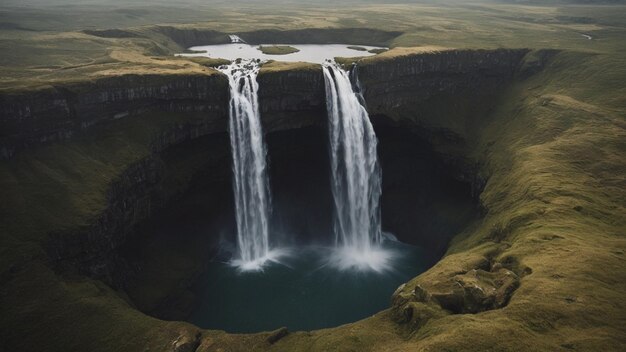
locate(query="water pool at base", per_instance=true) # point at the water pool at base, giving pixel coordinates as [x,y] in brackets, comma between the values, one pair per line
[304,290]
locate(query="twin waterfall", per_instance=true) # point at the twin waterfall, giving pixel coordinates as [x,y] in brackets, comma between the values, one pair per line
[355,172]
[250,180]
[355,176]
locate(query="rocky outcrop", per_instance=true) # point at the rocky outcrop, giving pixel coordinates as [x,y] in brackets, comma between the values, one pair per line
[466,286]
[472,292]
[476,291]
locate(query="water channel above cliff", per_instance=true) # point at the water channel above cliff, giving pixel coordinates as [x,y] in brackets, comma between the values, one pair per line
[315,53]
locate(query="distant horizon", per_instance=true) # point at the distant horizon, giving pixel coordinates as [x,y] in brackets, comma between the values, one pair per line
[52,3]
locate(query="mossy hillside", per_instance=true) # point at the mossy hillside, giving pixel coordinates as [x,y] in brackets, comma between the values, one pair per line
[83,314]
[63,187]
[554,197]
[553,205]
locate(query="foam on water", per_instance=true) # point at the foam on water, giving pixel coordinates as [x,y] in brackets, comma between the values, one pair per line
[275,256]
[304,287]
[376,258]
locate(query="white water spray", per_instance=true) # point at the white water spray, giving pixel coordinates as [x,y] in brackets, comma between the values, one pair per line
[355,172]
[250,181]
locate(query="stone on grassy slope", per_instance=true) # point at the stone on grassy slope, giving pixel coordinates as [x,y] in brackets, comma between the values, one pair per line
[471,291]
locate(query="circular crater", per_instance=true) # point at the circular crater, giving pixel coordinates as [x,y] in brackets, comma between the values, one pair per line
[179,262]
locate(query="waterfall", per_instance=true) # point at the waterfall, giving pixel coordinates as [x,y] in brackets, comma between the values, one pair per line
[250,181]
[355,172]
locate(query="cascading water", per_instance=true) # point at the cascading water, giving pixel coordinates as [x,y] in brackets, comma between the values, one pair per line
[355,172]
[296,292]
[250,181]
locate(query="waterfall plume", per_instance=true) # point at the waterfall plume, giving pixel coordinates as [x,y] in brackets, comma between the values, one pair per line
[355,171]
[250,181]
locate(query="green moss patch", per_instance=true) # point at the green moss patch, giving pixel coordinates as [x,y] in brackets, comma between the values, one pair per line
[278,49]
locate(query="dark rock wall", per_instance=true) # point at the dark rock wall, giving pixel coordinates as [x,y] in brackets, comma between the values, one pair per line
[291,99]
[131,198]
[58,112]
[142,190]
[288,99]
[407,80]
[441,98]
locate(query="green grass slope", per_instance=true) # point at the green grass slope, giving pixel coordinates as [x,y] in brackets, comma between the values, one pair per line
[553,152]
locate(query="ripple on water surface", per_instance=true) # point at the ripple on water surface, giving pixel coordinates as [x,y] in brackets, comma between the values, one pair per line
[305,288]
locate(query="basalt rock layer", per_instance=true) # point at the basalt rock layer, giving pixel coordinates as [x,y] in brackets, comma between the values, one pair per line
[56,113]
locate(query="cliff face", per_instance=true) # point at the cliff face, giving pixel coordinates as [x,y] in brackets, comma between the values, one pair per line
[440,96]
[57,113]
[131,198]
[288,98]
[431,82]
[291,99]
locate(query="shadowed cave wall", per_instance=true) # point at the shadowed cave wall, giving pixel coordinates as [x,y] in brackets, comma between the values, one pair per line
[423,204]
